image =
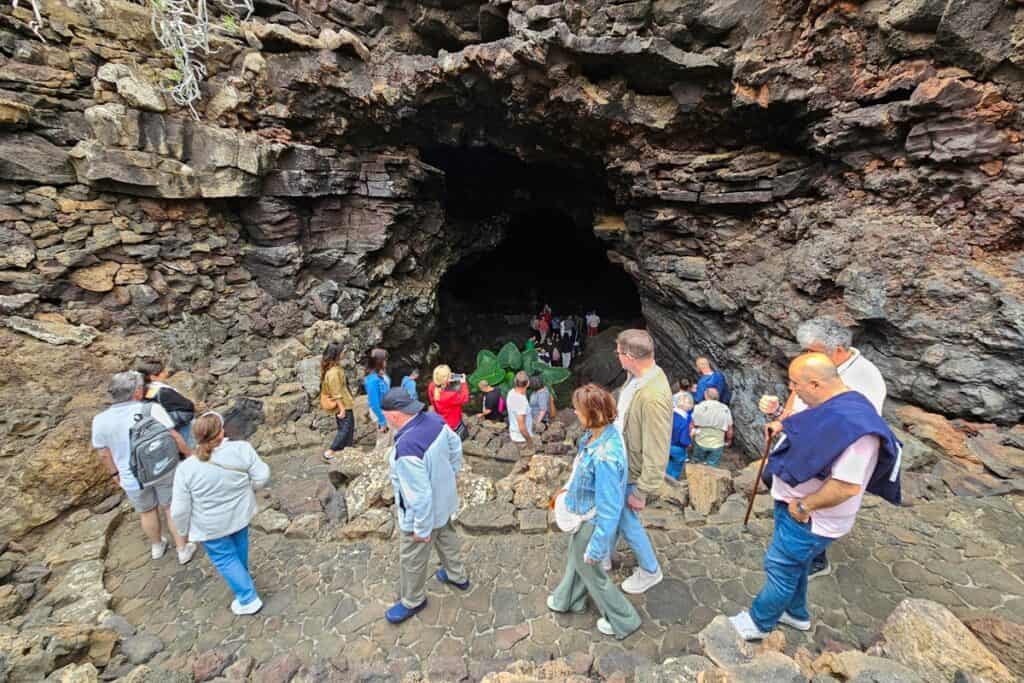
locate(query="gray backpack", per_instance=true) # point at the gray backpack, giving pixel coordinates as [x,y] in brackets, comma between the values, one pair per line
[154,453]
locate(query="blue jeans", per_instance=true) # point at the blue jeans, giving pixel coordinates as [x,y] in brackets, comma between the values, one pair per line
[186,434]
[230,555]
[707,456]
[787,563]
[632,529]
[346,430]
[676,460]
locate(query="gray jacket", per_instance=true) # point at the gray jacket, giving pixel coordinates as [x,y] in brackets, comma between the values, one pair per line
[215,499]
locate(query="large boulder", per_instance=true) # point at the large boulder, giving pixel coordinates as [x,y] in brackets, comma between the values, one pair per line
[1004,638]
[929,639]
[709,487]
[533,484]
[854,665]
[34,652]
[63,473]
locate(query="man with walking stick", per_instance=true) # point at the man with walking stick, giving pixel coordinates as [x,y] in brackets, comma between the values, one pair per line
[828,336]
[826,458]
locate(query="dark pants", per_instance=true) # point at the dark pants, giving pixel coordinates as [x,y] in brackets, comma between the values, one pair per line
[346,431]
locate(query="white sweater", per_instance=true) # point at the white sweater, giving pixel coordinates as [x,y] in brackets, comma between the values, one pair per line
[215,499]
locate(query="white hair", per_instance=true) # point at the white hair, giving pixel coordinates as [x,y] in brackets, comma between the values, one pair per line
[684,401]
[828,332]
[123,386]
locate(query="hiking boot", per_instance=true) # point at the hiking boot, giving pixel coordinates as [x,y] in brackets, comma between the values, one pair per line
[798,624]
[442,576]
[399,612]
[746,627]
[157,550]
[641,581]
[186,552]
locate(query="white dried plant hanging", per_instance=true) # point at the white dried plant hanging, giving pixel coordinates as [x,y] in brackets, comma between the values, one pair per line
[183,29]
[37,20]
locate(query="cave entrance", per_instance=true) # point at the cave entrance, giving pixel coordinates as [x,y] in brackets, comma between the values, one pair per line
[530,242]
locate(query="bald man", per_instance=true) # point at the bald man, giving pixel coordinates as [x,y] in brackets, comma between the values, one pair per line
[827,457]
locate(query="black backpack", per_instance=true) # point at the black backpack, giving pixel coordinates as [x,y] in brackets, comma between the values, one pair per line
[154,452]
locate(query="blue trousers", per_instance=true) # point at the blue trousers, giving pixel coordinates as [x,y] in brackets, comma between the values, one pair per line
[676,460]
[786,565]
[632,529]
[230,555]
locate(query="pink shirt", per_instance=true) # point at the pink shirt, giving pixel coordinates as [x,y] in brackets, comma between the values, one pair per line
[854,466]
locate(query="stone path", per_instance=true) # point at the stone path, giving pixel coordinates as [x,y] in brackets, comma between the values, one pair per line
[328,598]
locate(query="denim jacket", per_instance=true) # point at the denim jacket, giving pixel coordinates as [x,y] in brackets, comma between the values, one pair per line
[600,481]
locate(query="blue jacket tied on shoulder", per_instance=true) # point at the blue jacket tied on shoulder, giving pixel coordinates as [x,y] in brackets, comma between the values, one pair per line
[715,380]
[426,457]
[814,439]
[600,482]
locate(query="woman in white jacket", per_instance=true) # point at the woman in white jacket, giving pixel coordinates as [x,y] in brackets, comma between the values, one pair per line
[213,498]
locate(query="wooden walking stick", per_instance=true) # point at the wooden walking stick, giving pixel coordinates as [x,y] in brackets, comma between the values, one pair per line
[760,471]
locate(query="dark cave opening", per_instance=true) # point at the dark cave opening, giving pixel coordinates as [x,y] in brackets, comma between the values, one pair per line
[545,258]
[532,242]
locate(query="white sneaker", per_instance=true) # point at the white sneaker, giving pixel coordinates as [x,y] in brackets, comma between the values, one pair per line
[186,552]
[641,581]
[746,627]
[252,608]
[794,622]
[157,550]
[604,627]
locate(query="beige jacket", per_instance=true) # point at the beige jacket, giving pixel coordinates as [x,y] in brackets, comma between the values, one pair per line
[647,432]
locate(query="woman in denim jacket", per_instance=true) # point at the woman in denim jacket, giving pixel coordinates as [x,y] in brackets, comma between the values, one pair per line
[596,492]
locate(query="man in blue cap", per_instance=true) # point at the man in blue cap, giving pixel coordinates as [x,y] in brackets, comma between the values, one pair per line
[424,461]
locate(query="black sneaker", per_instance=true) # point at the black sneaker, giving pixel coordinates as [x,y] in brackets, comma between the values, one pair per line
[820,567]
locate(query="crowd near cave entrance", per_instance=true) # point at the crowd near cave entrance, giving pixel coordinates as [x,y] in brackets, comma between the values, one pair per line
[544,259]
[530,242]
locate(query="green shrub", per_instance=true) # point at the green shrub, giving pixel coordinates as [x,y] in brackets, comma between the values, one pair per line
[499,370]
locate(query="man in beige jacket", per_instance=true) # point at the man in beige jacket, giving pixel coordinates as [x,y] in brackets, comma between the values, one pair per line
[645,421]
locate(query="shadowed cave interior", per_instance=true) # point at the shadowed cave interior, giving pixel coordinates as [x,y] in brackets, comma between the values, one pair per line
[530,241]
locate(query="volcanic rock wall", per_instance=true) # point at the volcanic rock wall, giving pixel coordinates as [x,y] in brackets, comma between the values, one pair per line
[767,162]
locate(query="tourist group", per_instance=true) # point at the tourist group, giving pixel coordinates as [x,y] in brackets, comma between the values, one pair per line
[831,445]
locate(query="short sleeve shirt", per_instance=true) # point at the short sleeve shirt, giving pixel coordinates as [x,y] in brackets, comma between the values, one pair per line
[539,402]
[492,401]
[854,466]
[111,429]
[518,405]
